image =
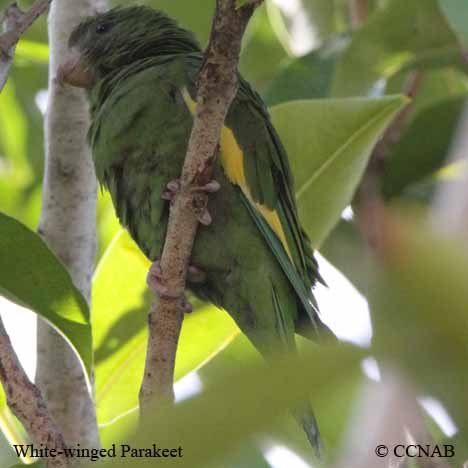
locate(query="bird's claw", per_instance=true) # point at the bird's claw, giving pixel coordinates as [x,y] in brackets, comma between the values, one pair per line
[155,282]
[195,275]
[172,188]
[185,305]
[212,186]
[205,218]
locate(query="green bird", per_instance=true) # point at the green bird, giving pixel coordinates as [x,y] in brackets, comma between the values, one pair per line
[251,257]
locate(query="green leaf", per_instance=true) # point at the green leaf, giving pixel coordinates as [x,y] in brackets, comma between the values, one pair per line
[31,275]
[13,131]
[7,454]
[31,51]
[323,15]
[329,143]
[121,302]
[262,52]
[107,223]
[399,35]
[12,433]
[307,77]
[457,14]
[416,156]
[244,403]
[331,410]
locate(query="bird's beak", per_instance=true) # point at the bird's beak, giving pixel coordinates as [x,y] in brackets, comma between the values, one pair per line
[74,71]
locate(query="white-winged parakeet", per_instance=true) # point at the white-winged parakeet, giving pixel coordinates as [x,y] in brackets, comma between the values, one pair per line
[254,260]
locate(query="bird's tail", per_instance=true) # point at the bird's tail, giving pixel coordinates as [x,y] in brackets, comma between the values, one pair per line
[303,413]
[306,419]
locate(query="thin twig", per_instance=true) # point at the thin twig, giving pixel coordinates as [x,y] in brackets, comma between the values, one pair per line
[26,402]
[16,22]
[216,90]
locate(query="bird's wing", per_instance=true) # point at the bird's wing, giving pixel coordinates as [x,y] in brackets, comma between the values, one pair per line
[254,158]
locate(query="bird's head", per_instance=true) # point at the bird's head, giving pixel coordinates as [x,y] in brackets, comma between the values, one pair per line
[109,41]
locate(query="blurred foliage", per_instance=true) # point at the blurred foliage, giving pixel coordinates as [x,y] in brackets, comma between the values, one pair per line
[422,295]
[331,90]
[208,429]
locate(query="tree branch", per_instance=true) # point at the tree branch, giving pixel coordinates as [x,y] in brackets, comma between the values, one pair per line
[68,225]
[26,402]
[15,22]
[216,89]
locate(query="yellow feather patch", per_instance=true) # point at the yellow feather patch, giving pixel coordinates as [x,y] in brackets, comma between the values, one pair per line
[232,160]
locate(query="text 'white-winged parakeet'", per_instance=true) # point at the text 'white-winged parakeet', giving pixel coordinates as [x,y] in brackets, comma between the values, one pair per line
[251,256]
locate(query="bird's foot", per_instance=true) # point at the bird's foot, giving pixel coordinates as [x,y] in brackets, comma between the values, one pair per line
[195,275]
[212,186]
[172,188]
[205,218]
[156,283]
[185,305]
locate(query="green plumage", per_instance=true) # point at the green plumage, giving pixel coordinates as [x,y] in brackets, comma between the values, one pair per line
[140,129]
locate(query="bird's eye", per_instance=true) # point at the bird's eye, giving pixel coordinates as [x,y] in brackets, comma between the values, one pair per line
[101,28]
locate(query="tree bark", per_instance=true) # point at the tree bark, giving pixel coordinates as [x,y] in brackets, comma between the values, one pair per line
[68,226]
[26,402]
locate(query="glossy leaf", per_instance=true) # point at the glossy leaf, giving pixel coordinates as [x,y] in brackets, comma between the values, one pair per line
[121,302]
[31,275]
[329,143]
